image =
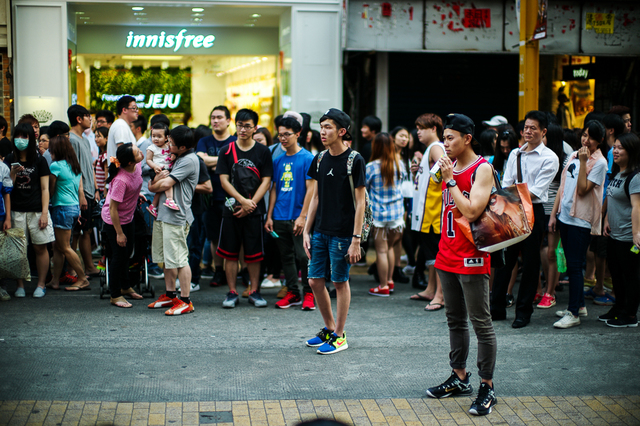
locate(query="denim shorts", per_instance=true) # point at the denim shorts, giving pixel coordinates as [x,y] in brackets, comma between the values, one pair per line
[326,249]
[64,217]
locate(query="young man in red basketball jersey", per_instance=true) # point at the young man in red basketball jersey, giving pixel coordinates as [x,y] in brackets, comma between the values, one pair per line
[462,268]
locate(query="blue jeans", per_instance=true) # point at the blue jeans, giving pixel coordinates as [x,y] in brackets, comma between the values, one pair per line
[575,242]
[326,248]
[64,217]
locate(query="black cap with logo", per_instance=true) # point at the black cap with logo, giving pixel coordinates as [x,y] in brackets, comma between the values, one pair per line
[340,118]
[462,124]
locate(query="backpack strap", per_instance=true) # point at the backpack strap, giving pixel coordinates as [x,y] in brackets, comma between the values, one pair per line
[232,148]
[352,156]
[320,155]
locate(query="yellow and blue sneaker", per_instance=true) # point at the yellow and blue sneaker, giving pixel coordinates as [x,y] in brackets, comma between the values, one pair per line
[323,336]
[334,344]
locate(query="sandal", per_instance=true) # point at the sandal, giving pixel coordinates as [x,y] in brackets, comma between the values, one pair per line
[435,306]
[120,302]
[419,297]
[130,293]
[78,287]
[171,204]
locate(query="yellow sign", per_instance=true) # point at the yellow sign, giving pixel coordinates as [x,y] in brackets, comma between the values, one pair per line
[602,23]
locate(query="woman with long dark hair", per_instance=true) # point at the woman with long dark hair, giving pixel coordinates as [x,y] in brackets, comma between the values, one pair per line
[125,181]
[65,186]
[622,226]
[30,200]
[554,141]
[577,213]
[507,141]
[383,175]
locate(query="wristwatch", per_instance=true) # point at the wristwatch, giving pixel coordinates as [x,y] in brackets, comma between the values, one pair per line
[357,236]
[451,183]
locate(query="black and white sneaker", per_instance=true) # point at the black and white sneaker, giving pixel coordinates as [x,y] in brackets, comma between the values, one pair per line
[485,400]
[451,387]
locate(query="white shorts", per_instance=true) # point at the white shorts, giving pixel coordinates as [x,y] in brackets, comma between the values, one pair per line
[29,221]
[169,245]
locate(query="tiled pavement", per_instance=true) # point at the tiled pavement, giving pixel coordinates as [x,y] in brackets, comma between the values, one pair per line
[589,410]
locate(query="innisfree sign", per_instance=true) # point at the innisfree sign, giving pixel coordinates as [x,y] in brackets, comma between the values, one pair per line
[170,41]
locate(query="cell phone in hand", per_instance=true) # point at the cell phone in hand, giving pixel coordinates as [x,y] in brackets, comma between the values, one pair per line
[362,254]
[15,164]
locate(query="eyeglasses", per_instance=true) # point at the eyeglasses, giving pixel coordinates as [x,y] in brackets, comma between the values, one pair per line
[244,126]
[135,108]
[285,135]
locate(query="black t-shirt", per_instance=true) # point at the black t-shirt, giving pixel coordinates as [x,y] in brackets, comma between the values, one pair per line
[258,157]
[26,194]
[197,203]
[212,147]
[335,212]
[365,151]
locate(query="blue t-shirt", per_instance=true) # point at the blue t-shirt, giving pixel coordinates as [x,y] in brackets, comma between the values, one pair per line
[212,146]
[289,177]
[67,185]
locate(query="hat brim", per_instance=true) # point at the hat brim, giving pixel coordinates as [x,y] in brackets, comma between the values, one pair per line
[347,136]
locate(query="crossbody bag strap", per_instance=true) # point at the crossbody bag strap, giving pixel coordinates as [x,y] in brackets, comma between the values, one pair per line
[352,156]
[519,166]
[232,148]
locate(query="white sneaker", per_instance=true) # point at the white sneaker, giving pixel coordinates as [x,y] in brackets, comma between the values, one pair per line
[567,321]
[581,312]
[267,283]
[40,292]
[404,258]
[277,283]
[409,270]
[4,296]
[195,287]
[20,292]
[177,285]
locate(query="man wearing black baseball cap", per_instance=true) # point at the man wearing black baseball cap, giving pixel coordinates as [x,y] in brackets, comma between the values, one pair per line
[338,224]
[462,268]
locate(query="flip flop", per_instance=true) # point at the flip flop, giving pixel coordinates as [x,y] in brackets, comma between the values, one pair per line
[48,285]
[439,306]
[77,288]
[419,297]
[96,275]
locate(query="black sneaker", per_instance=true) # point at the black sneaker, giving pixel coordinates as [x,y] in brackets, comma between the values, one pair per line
[623,322]
[608,316]
[207,272]
[219,278]
[485,400]
[399,276]
[451,387]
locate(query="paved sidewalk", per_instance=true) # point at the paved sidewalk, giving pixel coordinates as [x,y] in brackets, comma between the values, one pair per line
[510,410]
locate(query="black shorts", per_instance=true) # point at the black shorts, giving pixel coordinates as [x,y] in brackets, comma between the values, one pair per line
[213,219]
[598,246]
[86,218]
[245,232]
[430,243]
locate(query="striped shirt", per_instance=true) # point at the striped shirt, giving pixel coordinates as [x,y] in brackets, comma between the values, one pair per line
[100,173]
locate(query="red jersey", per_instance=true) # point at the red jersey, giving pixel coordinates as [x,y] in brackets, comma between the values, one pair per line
[456,253]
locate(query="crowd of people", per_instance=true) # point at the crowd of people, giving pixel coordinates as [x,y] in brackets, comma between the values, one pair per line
[307,205]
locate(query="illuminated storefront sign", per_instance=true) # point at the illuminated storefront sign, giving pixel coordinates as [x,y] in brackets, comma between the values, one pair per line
[155,100]
[176,41]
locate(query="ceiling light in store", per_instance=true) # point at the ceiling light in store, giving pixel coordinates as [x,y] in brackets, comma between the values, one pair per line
[128,65]
[97,64]
[78,69]
[264,58]
[249,25]
[164,65]
[85,17]
[151,58]
[197,19]
[197,14]
[142,19]
[79,13]
[140,14]
[137,8]
[255,61]
[197,9]
[256,15]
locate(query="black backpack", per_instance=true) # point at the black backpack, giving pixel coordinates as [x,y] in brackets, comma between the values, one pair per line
[245,179]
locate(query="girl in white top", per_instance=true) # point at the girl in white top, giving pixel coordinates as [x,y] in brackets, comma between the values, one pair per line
[159,158]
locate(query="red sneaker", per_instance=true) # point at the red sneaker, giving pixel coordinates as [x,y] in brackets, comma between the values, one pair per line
[291,299]
[391,285]
[309,302]
[180,308]
[162,302]
[547,301]
[537,299]
[67,278]
[377,291]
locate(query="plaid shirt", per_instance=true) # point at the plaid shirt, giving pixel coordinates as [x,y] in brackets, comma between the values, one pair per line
[386,201]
